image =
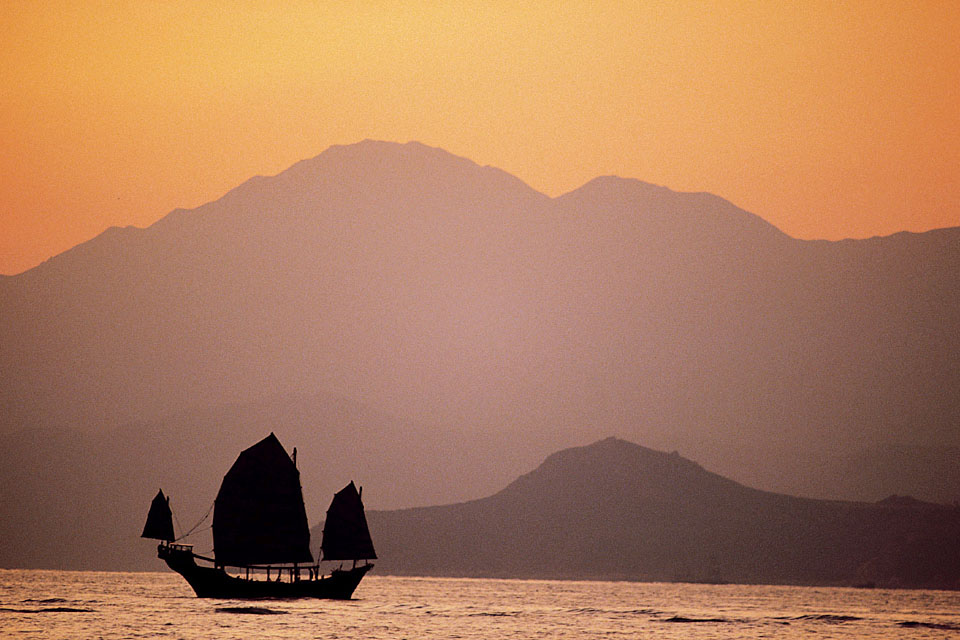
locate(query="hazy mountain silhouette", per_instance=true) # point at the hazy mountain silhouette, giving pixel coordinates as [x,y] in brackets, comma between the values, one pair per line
[475,323]
[616,510]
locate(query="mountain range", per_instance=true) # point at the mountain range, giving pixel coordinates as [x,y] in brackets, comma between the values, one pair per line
[432,328]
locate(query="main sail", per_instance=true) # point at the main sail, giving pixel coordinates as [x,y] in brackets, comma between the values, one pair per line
[345,532]
[258,516]
[159,525]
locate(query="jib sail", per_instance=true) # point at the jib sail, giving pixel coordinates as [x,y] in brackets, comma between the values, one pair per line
[159,524]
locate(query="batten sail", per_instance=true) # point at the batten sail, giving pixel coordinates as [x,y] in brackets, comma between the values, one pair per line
[159,525]
[345,532]
[258,516]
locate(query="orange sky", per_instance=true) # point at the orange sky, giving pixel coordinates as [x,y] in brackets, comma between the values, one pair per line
[833,119]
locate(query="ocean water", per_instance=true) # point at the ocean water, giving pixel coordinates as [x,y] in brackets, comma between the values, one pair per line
[67,604]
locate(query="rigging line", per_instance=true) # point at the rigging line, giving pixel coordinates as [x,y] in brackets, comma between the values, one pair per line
[178,523]
[194,528]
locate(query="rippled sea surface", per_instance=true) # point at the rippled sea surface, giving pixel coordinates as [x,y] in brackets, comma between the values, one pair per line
[67,604]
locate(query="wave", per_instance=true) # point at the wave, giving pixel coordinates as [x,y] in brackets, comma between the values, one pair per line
[48,610]
[44,600]
[686,619]
[257,611]
[822,617]
[939,626]
[617,612]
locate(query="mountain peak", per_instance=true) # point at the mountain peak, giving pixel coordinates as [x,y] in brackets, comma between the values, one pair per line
[370,153]
[615,465]
[395,166]
[613,183]
[665,212]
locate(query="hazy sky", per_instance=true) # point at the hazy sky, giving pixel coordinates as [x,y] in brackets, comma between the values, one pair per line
[828,119]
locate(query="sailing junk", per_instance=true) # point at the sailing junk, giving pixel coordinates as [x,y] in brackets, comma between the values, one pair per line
[260,524]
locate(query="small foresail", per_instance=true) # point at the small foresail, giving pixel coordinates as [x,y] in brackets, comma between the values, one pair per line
[345,532]
[159,524]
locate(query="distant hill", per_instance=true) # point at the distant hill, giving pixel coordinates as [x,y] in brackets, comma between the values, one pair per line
[402,306]
[616,510]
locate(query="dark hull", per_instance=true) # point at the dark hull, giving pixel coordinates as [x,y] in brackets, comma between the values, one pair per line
[211,582]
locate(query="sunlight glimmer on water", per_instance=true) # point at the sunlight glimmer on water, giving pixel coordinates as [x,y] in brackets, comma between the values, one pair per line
[46,604]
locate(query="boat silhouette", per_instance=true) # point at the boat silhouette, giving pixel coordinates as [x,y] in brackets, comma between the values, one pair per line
[260,532]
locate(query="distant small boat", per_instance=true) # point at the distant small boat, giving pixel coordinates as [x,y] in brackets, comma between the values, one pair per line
[260,530]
